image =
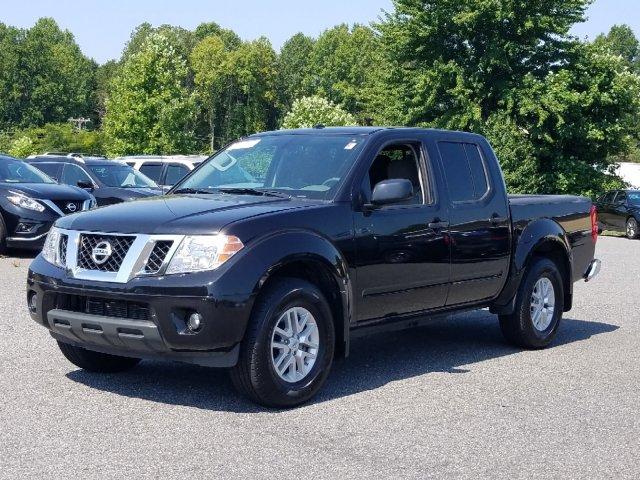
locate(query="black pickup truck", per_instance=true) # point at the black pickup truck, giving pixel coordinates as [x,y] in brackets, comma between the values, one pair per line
[273,253]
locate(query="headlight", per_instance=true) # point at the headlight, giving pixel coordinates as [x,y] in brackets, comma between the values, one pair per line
[52,246]
[21,200]
[205,252]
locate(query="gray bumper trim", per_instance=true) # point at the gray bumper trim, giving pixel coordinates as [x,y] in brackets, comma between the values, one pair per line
[129,338]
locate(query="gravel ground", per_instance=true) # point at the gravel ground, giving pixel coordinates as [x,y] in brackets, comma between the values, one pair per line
[450,399]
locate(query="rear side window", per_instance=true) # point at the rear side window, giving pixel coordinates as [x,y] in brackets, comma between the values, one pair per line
[72,174]
[51,169]
[175,173]
[465,171]
[152,170]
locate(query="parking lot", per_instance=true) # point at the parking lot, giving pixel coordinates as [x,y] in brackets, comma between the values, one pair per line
[451,398]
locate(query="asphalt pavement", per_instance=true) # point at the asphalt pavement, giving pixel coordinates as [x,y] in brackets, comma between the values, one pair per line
[451,399]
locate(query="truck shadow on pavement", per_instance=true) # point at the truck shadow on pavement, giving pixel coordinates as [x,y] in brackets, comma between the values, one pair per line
[451,345]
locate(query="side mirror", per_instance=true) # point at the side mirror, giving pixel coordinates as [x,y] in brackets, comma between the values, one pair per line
[391,191]
[86,185]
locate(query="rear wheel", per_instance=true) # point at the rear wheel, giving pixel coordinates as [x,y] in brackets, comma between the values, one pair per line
[632,228]
[96,361]
[539,307]
[289,345]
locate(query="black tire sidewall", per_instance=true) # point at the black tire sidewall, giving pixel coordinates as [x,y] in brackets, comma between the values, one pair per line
[265,380]
[541,268]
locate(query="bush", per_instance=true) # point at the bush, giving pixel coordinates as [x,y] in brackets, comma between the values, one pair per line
[309,111]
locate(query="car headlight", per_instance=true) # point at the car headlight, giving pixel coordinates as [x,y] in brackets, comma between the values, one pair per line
[50,251]
[203,252]
[21,200]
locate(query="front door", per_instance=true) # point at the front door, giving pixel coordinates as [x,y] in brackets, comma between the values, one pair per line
[402,250]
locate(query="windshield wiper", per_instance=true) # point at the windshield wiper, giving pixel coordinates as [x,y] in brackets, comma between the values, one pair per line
[253,191]
[192,190]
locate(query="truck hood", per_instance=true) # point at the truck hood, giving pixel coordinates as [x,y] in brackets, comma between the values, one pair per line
[47,191]
[178,214]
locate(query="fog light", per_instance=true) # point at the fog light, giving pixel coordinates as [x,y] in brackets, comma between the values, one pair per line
[194,323]
[33,302]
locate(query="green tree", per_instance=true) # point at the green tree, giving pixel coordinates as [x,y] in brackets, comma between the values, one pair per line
[623,42]
[44,77]
[342,64]
[310,111]
[457,62]
[235,87]
[293,69]
[149,109]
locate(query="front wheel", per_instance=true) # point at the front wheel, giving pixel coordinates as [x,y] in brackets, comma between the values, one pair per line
[288,348]
[632,228]
[539,307]
[96,361]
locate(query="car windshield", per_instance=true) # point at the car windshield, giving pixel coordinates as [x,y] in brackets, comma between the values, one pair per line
[17,171]
[307,166]
[634,198]
[122,176]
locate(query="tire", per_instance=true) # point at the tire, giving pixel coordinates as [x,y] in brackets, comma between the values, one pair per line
[521,328]
[631,229]
[96,361]
[3,237]
[256,375]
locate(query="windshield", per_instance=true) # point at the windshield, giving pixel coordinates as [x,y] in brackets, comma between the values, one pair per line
[17,171]
[634,198]
[307,166]
[122,176]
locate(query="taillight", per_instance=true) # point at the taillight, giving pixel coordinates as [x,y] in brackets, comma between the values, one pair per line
[594,223]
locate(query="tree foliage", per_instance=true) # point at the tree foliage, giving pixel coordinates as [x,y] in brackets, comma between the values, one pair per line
[149,108]
[310,111]
[44,77]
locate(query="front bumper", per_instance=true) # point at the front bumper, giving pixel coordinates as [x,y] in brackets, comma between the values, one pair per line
[145,318]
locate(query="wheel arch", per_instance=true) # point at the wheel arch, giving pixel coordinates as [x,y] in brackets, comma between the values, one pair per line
[541,238]
[310,257]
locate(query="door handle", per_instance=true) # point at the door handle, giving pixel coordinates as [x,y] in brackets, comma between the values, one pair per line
[437,224]
[495,219]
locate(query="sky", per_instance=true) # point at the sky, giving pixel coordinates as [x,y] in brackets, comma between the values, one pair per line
[103,27]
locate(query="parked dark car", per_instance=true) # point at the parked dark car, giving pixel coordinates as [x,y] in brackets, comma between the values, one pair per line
[619,211]
[109,181]
[279,249]
[30,202]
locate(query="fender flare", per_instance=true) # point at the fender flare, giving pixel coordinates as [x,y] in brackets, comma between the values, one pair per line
[535,235]
[266,255]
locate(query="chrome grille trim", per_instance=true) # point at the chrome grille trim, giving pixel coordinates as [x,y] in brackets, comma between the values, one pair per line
[133,263]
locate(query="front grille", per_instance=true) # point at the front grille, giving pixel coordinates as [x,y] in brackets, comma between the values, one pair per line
[158,256]
[103,307]
[119,245]
[62,252]
[69,206]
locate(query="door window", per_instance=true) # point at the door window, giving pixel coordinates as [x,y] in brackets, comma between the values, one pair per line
[608,197]
[152,170]
[464,170]
[72,174]
[621,198]
[175,173]
[51,169]
[397,162]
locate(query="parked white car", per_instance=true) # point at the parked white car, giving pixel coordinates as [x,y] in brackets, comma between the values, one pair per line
[165,170]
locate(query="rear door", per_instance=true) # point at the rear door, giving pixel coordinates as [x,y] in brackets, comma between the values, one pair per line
[174,173]
[480,226]
[605,206]
[153,170]
[619,211]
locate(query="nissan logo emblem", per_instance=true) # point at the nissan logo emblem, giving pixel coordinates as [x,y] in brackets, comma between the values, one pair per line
[71,207]
[101,252]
